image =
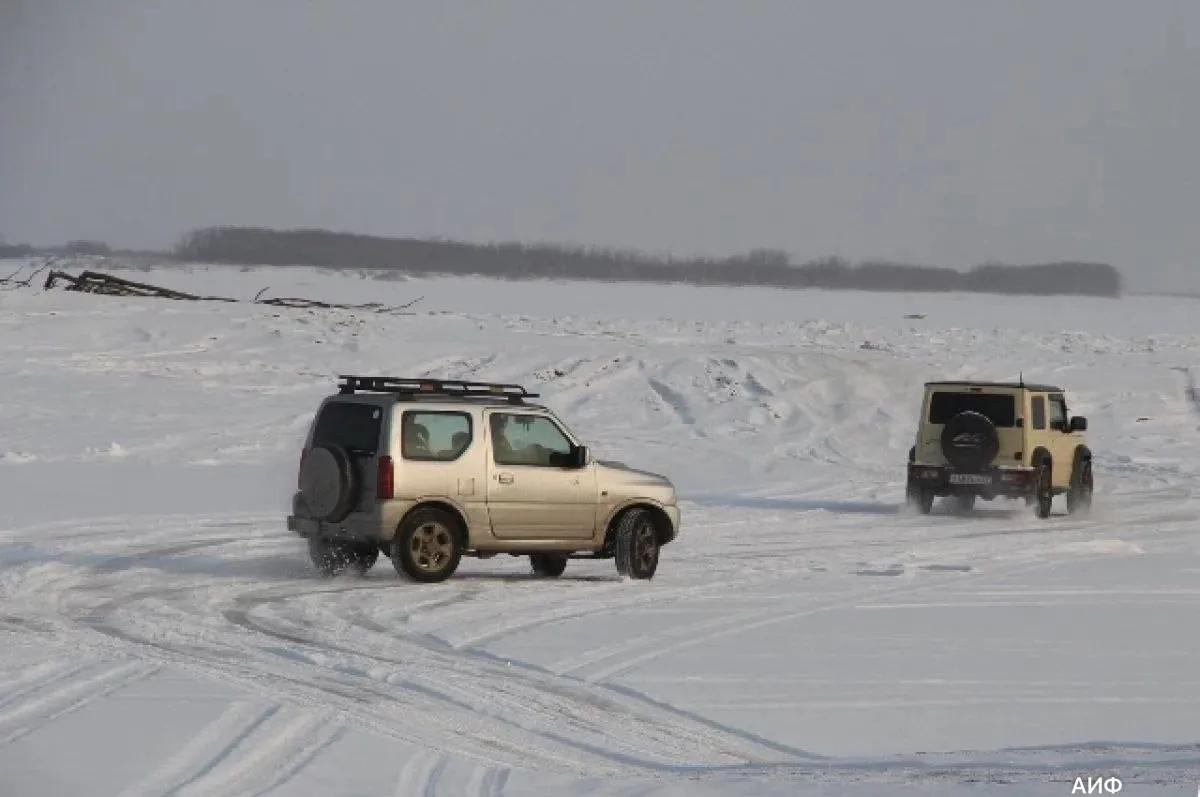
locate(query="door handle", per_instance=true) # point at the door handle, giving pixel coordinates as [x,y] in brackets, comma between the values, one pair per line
[505,478]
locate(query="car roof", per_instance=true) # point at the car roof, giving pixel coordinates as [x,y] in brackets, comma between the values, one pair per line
[1010,385]
[438,403]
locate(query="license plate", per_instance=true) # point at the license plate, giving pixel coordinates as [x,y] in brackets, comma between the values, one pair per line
[969,478]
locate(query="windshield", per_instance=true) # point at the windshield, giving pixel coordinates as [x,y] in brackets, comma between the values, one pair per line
[999,409]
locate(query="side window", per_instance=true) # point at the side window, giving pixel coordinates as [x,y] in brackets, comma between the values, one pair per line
[1038,406]
[436,436]
[1058,412]
[526,439]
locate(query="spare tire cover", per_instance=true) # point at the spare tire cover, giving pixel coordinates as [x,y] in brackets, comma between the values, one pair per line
[969,441]
[328,482]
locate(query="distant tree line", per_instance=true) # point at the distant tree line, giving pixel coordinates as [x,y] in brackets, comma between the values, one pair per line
[79,248]
[763,267]
[766,267]
[14,250]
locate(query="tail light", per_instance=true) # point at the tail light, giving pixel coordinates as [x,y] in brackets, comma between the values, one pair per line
[303,454]
[385,487]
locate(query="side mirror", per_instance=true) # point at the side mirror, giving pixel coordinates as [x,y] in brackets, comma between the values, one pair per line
[1078,424]
[576,458]
[579,456]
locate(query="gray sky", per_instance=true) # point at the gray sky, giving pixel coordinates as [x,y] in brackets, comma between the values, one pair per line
[946,132]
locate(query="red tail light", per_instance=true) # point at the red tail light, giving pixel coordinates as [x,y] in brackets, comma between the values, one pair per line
[385,488]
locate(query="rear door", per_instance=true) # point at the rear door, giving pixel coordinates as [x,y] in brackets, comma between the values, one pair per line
[530,496]
[357,428]
[1000,407]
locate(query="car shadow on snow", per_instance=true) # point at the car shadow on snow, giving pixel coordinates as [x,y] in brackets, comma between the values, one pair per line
[796,504]
[468,575]
[940,509]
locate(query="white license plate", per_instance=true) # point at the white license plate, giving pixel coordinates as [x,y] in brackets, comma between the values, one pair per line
[969,478]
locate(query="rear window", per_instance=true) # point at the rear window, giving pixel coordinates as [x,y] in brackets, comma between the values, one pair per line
[354,427]
[1000,410]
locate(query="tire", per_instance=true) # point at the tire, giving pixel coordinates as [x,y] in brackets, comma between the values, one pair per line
[329,482]
[548,565]
[1044,490]
[427,546]
[970,442]
[919,499]
[637,545]
[332,557]
[1079,497]
[963,504]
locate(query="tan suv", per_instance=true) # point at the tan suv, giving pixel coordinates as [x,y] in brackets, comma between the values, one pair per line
[988,439]
[430,470]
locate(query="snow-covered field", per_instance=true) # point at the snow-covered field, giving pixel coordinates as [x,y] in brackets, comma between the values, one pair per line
[161,633]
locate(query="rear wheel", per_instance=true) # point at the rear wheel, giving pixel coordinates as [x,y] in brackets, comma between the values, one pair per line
[637,545]
[548,565]
[1044,491]
[919,498]
[331,557]
[1079,497]
[427,546]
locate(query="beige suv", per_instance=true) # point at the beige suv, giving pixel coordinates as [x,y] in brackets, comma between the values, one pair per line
[988,439]
[431,470]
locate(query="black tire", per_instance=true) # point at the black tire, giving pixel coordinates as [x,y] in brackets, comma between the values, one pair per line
[970,442]
[329,482]
[1079,497]
[1043,490]
[427,546]
[919,499]
[963,504]
[548,565]
[332,557]
[637,545]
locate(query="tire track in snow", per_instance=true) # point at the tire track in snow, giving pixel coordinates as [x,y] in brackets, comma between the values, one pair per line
[203,752]
[420,775]
[521,699]
[628,655]
[401,708]
[46,706]
[36,677]
[269,746]
[540,688]
[487,781]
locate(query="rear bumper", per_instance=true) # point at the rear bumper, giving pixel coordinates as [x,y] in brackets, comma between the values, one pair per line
[348,529]
[941,480]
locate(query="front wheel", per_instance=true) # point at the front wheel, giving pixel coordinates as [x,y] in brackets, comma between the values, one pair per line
[427,546]
[637,545]
[1079,497]
[548,565]
[331,557]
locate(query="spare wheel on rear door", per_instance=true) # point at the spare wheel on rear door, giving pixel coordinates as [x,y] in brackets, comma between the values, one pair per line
[329,482]
[969,441]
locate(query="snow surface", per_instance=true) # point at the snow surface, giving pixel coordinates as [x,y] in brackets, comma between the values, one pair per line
[162,633]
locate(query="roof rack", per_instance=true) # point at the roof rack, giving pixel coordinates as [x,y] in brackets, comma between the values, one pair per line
[515,394]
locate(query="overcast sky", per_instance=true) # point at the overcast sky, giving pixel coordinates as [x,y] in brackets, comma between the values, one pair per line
[944,132]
